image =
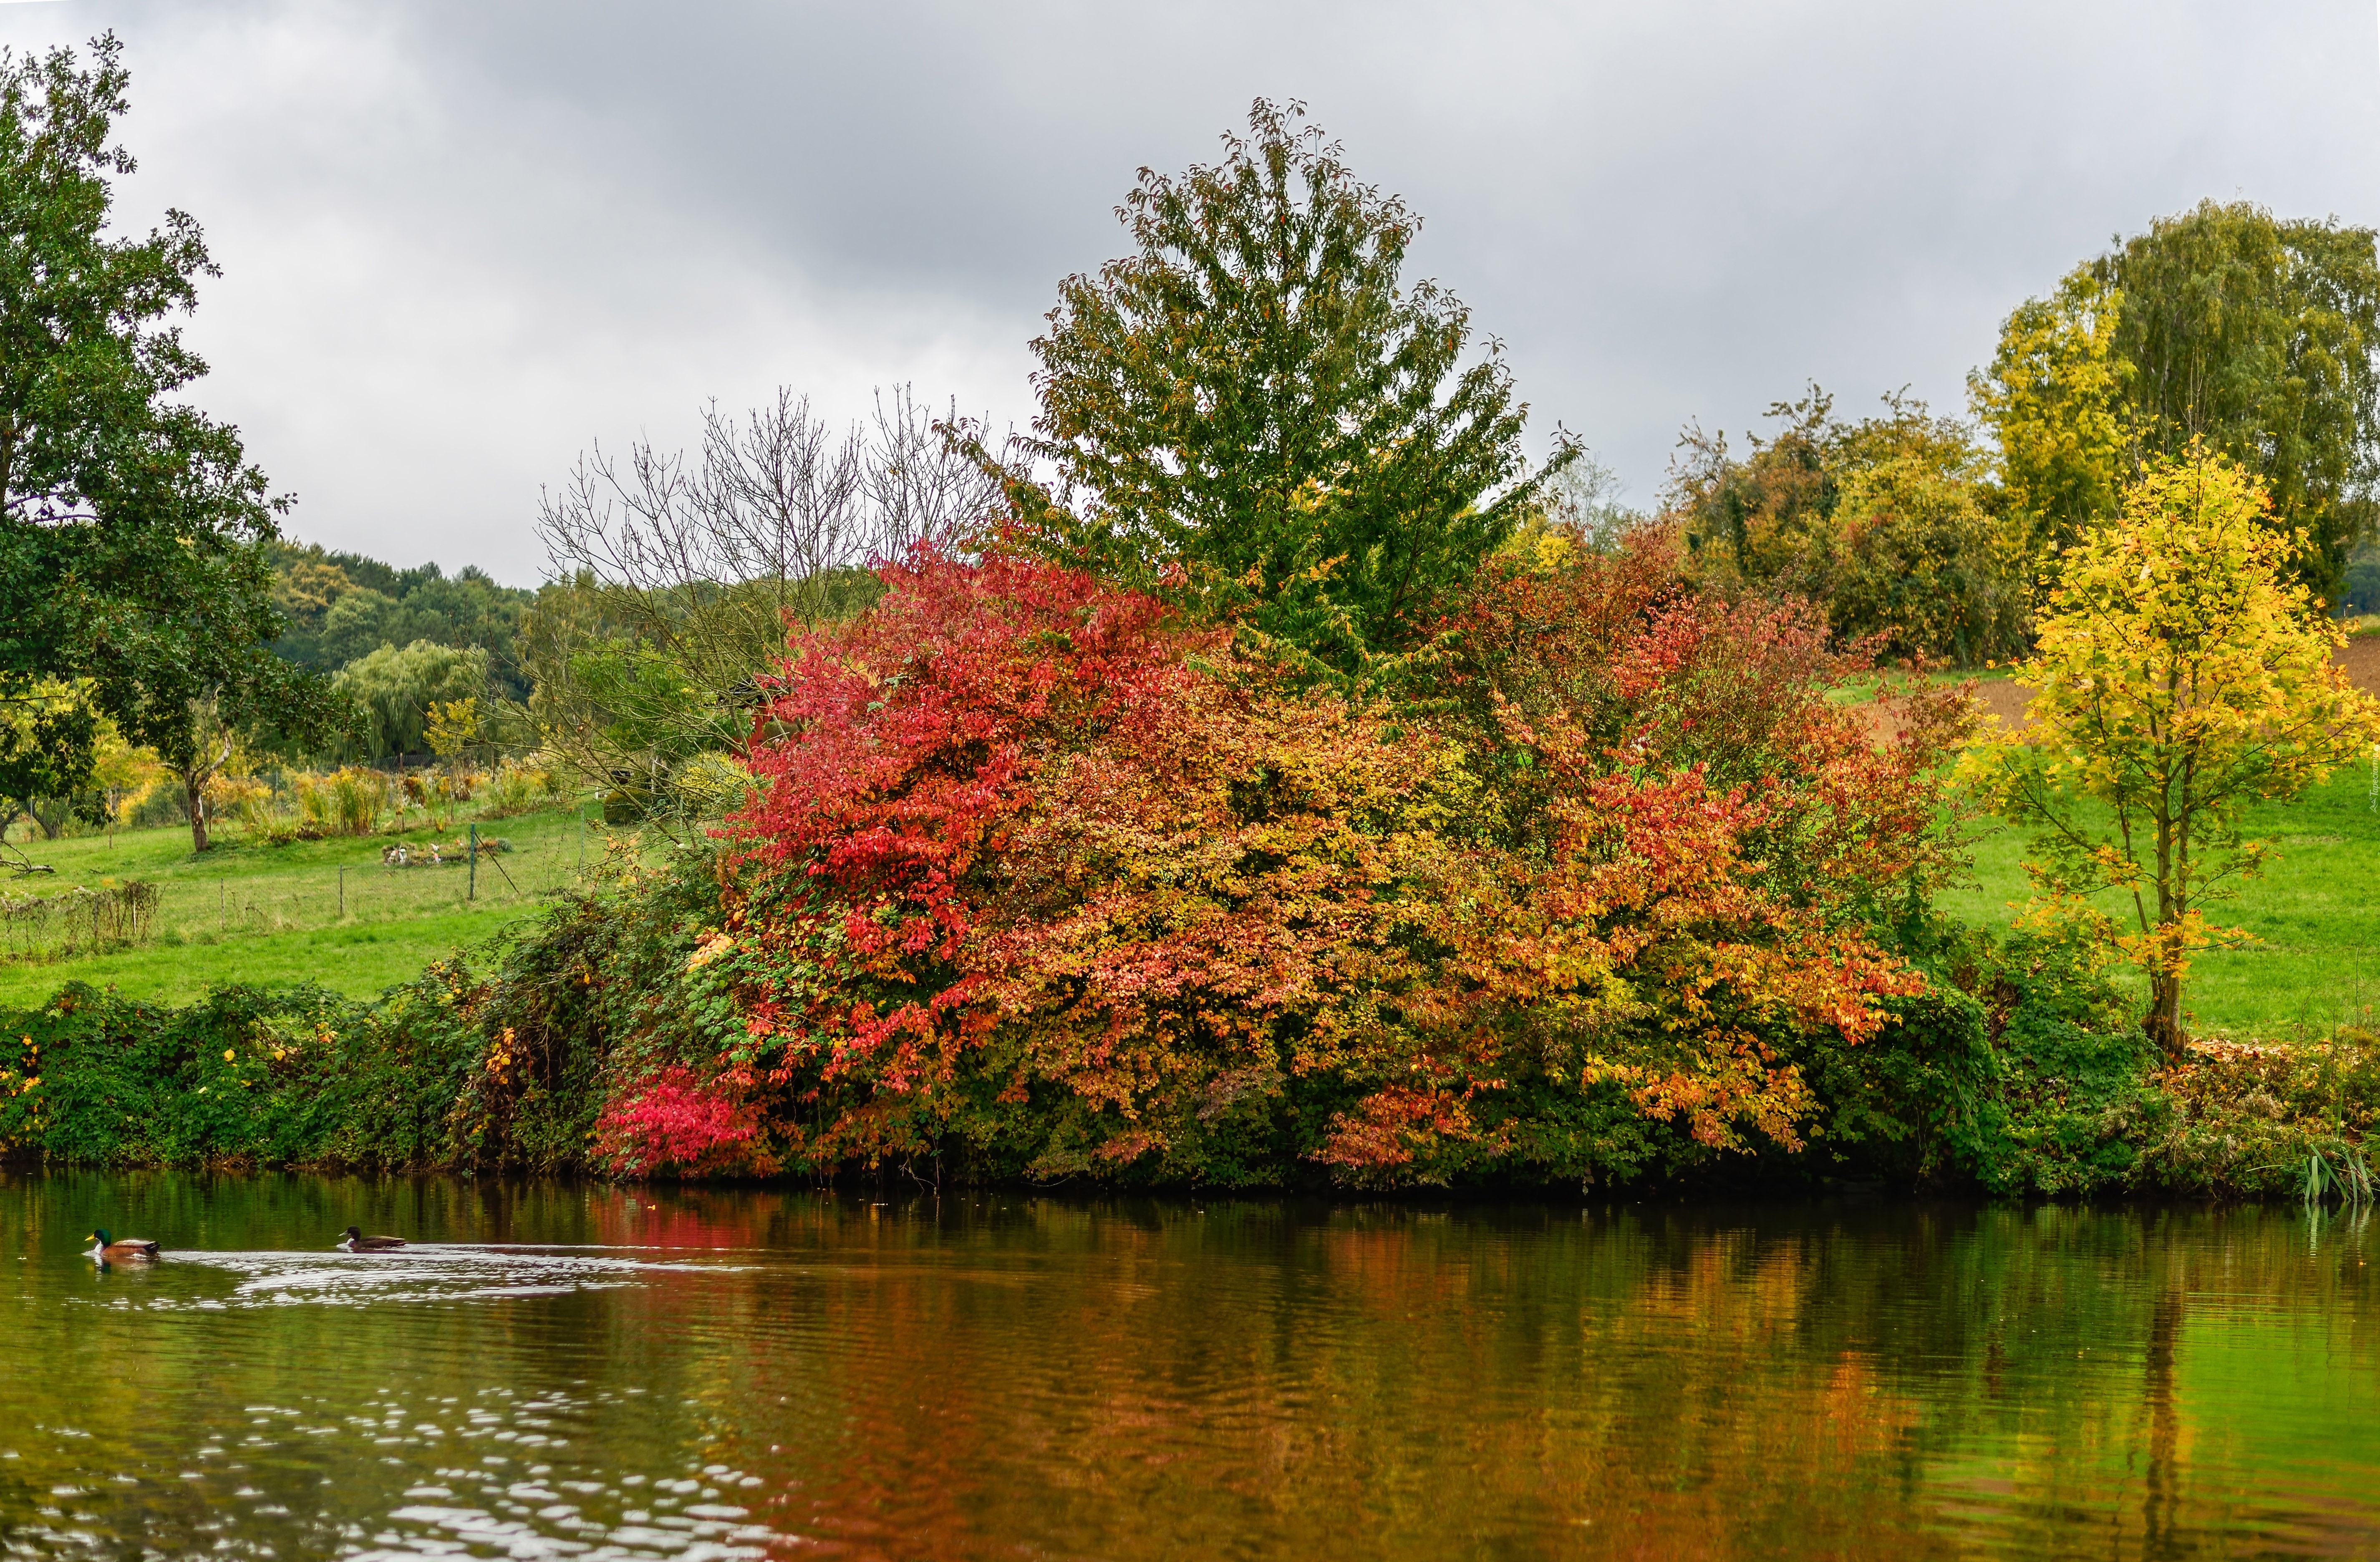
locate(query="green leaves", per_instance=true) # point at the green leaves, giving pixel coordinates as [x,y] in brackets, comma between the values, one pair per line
[2221,325]
[1252,401]
[131,526]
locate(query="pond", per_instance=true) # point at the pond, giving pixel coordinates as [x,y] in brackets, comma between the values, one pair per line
[561,1369]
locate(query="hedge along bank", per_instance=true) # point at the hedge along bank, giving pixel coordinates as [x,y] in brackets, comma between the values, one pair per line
[2036,1082]
[1040,884]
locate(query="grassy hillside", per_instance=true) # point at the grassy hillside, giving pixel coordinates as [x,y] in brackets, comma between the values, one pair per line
[319,911]
[2315,914]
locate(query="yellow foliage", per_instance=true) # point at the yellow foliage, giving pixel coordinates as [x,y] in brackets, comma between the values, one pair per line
[2182,674]
[453,724]
[2052,401]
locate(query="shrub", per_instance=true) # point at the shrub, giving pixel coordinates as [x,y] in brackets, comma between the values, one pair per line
[1037,871]
[244,1076]
[2249,1119]
[349,801]
[518,786]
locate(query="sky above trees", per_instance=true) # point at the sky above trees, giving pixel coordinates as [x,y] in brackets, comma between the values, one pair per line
[460,242]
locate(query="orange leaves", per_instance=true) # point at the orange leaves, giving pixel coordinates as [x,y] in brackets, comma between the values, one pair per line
[1390,1124]
[1694,841]
[1032,865]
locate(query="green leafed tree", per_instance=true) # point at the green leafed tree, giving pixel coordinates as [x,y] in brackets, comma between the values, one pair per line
[1888,524]
[133,528]
[2222,325]
[1257,395]
[394,687]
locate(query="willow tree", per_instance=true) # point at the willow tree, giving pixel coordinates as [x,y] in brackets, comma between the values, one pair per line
[2222,325]
[2184,674]
[1257,397]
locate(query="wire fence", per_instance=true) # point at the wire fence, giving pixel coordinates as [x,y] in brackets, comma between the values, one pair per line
[415,879]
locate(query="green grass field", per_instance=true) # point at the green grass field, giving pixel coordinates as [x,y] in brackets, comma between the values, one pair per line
[2315,914]
[320,911]
[274,915]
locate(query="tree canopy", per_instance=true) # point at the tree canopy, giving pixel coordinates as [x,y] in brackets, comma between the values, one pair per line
[2223,325]
[340,606]
[2182,674]
[1255,395]
[132,525]
[1888,524]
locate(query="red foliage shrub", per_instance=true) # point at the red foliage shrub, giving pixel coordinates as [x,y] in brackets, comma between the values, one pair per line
[668,1121]
[1697,845]
[1034,866]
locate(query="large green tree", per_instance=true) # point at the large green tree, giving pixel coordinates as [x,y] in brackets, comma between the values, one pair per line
[133,528]
[2223,325]
[1256,395]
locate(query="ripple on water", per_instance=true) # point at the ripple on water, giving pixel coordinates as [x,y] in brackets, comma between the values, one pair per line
[421,1273]
[446,1496]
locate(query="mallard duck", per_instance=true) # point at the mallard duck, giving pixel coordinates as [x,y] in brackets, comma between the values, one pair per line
[354,1240]
[105,1247]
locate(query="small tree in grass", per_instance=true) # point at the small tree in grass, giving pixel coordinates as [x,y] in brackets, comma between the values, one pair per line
[2184,674]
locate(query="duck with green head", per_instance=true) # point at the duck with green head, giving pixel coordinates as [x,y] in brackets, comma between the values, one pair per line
[354,1240]
[107,1248]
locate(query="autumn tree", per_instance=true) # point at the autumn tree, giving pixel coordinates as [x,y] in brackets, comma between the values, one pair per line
[1040,870]
[1256,393]
[2223,325]
[2055,400]
[133,528]
[1888,522]
[2183,672]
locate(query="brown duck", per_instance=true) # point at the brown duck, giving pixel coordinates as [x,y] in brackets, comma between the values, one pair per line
[116,1249]
[354,1240]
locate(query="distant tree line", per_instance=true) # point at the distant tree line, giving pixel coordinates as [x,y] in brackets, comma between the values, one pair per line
[2250,335]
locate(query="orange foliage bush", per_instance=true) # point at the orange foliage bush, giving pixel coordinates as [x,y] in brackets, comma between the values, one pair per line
[1035,869]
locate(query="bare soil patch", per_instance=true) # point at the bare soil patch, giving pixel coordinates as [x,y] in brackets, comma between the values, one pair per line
[2005,701]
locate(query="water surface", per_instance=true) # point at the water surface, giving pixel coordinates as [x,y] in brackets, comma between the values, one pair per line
[574,1370]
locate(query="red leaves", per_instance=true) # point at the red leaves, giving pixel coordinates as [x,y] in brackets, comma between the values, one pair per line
[1028,859]
[669,1121]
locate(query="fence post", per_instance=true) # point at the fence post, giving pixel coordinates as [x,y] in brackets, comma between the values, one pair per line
[472,893]
[343,893]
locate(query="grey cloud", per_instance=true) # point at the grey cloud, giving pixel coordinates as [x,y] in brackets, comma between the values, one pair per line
[462,239]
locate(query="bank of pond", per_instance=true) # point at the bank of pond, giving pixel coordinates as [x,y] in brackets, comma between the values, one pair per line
[2018,1072]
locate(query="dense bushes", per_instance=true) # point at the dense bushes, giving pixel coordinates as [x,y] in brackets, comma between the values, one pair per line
[263,1078]
[2017,1072]
[1036,881]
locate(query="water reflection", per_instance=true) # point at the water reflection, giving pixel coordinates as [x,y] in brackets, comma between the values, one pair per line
[569,1370]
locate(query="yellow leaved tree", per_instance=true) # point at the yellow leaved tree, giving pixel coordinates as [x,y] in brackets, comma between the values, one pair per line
[2182,674]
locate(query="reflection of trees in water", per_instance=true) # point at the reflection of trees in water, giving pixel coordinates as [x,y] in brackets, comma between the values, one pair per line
[1136,1377]
[2161,1525]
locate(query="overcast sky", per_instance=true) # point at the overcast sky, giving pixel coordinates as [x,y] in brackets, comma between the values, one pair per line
[460,241]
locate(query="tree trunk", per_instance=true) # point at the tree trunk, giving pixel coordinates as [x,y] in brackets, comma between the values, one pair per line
[2163,1021]
[194,798]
